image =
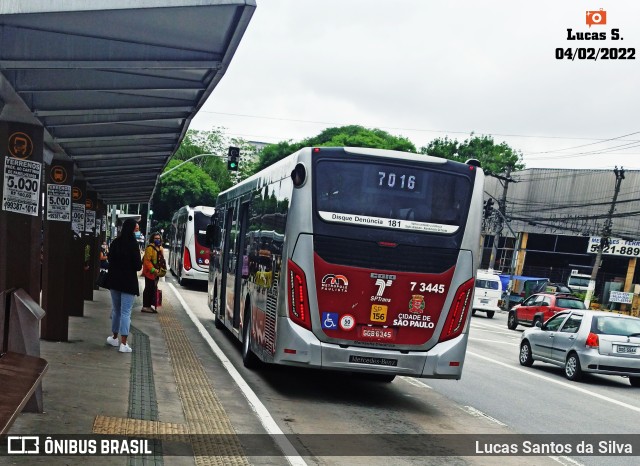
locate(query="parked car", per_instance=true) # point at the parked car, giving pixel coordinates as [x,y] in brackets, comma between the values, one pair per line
[586,341]
[540,307]
[558,288]
[488,293]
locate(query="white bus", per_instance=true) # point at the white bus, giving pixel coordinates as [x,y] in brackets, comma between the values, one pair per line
[350,259]
[188,250]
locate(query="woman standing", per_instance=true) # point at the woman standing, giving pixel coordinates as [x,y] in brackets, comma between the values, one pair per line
[151,265]
[124,264]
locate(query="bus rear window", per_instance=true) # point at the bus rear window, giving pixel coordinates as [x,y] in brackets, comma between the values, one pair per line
[391,196]
[200,223]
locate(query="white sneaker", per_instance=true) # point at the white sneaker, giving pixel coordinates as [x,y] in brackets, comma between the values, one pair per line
[112,341]
[125,348]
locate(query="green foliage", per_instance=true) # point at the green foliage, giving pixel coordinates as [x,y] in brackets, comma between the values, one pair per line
[199,181]
[189,184]
[350,136]
[495,158]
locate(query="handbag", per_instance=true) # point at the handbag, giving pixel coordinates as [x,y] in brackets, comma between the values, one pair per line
[161,265]
[158,297]
[102,280]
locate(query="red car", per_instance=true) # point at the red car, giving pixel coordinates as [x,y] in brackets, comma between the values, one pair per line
[541,306]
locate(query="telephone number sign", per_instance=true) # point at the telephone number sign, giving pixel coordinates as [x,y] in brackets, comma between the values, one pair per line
[616,247]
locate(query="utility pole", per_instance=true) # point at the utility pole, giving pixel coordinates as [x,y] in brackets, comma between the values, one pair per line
[604,238]
[502,207]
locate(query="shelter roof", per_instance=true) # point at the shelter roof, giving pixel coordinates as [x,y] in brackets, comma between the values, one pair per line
[115,84]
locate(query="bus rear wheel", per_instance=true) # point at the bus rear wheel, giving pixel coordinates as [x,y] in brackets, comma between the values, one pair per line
[215,307]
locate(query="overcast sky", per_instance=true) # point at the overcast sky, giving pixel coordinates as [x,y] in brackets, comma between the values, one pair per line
[425,69]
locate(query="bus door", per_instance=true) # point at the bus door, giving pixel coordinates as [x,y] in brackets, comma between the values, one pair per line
[234,262]
[227,264]
[242,263]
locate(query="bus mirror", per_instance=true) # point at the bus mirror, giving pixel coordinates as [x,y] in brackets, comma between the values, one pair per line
[298,175]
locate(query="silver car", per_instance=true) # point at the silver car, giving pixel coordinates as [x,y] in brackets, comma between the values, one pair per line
[586,341]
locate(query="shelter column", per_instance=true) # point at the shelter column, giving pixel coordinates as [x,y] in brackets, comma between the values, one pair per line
[90,243]
[57,239]
[74,298]
[21,147]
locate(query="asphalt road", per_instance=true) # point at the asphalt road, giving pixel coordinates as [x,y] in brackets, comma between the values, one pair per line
[539,399]
[496,397]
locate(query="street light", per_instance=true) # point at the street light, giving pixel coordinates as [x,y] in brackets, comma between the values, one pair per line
[188,160]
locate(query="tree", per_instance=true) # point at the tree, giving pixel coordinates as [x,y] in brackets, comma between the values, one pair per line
[216,142]
[351,136]
[189,184]
[199,181]
[495,158]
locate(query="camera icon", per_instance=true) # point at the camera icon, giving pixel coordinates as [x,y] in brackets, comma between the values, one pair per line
[596,17]
[23,444]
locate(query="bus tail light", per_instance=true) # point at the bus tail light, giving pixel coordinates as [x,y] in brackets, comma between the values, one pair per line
[454,324]
[298,297]
[186,260]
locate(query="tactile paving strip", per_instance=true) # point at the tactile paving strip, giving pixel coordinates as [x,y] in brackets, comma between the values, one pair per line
[143,403]
[124,426]
[203,411]
[209,430]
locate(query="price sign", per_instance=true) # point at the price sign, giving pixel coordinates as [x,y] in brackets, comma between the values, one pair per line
[90,220]
[21,186]
[59,202]
[77,218]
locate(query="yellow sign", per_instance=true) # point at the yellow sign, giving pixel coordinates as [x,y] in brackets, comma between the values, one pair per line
[378,313]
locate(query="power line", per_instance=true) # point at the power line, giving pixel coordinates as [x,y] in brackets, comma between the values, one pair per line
[298,120]
[585,145]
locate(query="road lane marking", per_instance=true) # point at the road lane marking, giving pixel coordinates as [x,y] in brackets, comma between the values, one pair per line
[256,405]
[492,341]
[565,460]
[558,382]
[477,413]
[415,382]
[494,329]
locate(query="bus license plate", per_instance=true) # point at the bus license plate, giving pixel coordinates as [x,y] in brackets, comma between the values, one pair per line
[626,349]
[377,333]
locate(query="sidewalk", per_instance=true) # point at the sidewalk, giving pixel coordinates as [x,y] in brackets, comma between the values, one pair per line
[160,388]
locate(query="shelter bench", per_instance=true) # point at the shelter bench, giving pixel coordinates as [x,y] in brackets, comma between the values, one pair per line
[21,367]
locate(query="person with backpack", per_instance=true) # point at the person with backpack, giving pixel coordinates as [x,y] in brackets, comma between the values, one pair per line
[154,266]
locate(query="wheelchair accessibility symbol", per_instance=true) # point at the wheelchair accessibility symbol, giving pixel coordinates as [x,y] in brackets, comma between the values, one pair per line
[330,320]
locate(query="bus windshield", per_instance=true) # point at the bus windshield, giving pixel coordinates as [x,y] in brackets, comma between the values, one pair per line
[391,196]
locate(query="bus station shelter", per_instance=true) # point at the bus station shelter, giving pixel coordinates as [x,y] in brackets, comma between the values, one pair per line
[95,97]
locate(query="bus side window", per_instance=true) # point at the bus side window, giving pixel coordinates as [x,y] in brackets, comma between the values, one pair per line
[213,231]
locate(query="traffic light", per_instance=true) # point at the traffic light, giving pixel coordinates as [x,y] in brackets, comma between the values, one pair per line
[233,160]
[488,207]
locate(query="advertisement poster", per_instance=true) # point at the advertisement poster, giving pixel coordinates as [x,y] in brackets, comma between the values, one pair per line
[59,202]
[21,186]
